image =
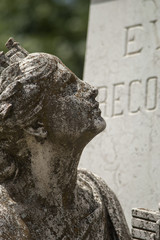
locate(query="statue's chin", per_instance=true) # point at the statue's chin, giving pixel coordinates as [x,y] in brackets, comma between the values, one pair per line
[99,125]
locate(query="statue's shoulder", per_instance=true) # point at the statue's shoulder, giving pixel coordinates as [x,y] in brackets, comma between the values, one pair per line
[98,185]
[96,182]
[11,225]
[89,186]
[110,202]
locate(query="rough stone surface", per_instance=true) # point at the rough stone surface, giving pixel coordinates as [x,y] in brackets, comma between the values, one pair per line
[145,224]
[123,61]
[47,116]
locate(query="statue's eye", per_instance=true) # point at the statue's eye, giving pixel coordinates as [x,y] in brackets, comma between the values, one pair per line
[68,89]
[72,78]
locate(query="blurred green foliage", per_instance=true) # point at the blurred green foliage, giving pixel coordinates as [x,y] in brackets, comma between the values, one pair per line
[58,27]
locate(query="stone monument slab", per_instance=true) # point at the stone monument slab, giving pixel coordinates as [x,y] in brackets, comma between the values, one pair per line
[123,61]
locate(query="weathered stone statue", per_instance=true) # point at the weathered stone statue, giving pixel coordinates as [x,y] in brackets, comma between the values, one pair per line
[47,116]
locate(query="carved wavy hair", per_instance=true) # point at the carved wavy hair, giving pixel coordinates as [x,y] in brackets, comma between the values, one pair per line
[24,83]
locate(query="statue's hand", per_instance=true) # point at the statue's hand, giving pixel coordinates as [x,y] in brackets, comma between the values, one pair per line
[11,225]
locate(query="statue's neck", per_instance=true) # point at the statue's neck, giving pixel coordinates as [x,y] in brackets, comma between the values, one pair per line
[54,171]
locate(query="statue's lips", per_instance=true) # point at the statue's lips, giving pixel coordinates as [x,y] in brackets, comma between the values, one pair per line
[96,108]
[96,105]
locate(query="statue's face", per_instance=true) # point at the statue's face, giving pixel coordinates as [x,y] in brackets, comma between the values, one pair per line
[72,111]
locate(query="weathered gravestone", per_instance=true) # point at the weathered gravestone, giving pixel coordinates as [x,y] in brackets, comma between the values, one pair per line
[123,61]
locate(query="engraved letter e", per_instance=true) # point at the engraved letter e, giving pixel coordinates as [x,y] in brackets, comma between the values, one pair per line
[133,43]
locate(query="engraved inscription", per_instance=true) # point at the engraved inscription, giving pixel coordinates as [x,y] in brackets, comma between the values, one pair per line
[102,98]
[151,93]
[134,90]
[117,109]
[121,98]
[156,33]
[137,95]
[133,39]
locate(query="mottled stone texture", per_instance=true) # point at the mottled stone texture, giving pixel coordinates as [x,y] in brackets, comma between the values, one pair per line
[145,224]
[47,116]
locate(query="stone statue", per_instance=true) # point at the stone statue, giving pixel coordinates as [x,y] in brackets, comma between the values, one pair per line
[47,116]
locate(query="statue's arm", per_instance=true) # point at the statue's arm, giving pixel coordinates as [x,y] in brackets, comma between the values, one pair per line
[11,225]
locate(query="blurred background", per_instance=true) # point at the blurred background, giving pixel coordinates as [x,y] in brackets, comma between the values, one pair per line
[58,27]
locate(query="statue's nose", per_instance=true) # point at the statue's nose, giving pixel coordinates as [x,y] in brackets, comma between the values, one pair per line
[94,92]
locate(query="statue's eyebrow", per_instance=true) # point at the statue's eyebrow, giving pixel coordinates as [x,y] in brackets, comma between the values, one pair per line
[72,78]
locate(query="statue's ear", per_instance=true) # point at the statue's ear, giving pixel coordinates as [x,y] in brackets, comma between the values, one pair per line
[37,131]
